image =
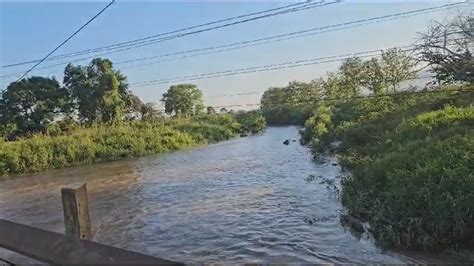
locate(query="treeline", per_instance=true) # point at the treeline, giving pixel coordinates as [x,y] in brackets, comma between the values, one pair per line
[408,149]
[444,48]
[292,104]
[93,94]
[94,117]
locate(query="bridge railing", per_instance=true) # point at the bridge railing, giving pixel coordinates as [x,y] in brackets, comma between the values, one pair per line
[74,247]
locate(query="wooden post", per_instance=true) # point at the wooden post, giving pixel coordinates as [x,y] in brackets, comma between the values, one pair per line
[76,212]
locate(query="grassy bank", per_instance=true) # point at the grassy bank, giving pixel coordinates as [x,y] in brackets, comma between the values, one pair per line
[95,144]
[411,157]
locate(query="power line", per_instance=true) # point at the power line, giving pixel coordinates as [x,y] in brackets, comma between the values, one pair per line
[290,64]
[149,40]
[193,27]
[65,41]
[152,39]
[167,38]
[270,39]
[267,40]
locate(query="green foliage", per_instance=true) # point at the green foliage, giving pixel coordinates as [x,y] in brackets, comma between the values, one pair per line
[251,121]
[98,90]
[30,104]
[294,103]
[62,147]
[318,125]
[419,195]
[53,129]
[409,155]
[7,130]
[183,100]
[290,104]
[352,72]
[397,66]
[207,128]
[206,133]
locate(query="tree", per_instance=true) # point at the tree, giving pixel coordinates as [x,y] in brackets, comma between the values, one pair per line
[302,92]
[98,90]
[446,48]
[290,104]
[211,110]
[380,75]
[332,86]
[397,66]
[374,79]
[31,104]
[183,100]
[223,110]
[352,74]
[7,127]
[148,112]
[251,121]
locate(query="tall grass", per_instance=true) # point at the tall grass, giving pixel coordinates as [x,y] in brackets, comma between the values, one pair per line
[101,143]
[411,156]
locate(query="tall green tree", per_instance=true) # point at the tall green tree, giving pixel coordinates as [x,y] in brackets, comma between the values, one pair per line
[397,66]
[374,79]
[32,103]
[384,74]
[331,86]
[290,104]
[183,100]
[99,91]
[7,127]
[351,76]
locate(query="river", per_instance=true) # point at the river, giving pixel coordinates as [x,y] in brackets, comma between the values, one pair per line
[249,199]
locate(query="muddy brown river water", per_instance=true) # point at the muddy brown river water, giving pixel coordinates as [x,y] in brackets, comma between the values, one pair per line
[244,200]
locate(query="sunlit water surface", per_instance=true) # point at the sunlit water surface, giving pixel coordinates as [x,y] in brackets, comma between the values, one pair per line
[249,199]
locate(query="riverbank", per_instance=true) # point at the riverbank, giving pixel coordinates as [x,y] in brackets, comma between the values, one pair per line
[409,157]
[101,143]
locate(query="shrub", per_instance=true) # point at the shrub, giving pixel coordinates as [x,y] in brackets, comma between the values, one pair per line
[420,196]
[251,121]
[409,154]
[100,143]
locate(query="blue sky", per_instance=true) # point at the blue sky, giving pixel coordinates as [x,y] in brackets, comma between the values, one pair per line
[31,30]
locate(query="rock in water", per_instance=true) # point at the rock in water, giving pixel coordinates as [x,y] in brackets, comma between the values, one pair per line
[293,140]
[286,142]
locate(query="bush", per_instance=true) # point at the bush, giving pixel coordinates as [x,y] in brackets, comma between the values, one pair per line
[53,130]
[409,156]
[419,196]
[251,122]
[99,143]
